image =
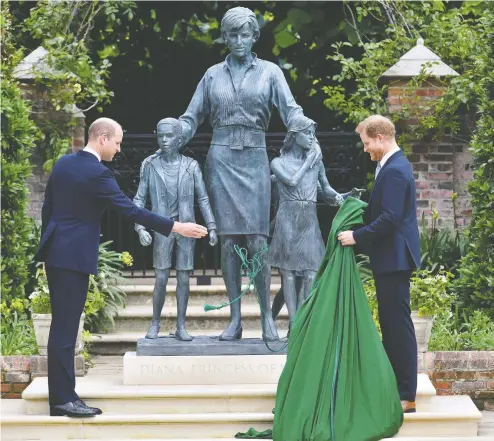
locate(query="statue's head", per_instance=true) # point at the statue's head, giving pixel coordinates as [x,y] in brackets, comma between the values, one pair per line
[240,30]
[302,133]
[169,134]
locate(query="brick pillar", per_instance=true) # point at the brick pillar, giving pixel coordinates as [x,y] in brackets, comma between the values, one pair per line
[420,98]
[42,113]
[78,132]
[441,168]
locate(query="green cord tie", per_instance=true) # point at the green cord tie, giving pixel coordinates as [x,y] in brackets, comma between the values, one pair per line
[250,268]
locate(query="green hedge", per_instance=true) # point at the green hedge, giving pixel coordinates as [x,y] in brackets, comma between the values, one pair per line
[475,286]
[19,135]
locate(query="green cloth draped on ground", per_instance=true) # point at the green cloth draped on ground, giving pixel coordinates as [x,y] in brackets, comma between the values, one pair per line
[337,384]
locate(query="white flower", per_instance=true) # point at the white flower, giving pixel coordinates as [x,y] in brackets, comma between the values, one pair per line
[443,279]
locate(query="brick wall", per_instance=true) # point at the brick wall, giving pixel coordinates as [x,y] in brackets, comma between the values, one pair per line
[399,95]
[36,185]
[78,135]
[462,373]
[441,168]
[19,370]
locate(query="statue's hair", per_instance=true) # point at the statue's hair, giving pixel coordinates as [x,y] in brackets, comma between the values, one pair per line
[289,140]
[175,123]
[235,18]
[377,124]
[103,126]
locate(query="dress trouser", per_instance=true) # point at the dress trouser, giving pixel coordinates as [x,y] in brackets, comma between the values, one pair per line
[398,333]
[68,292]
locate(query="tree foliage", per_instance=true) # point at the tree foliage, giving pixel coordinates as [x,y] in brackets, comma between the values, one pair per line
[19,135]
[73,77]
[333,53]
[346,62]
[76,75]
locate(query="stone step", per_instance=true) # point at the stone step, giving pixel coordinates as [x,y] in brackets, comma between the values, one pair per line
[137,318]
[43,427]
[118,343]
[408,438]
[453,416]
[486,426]
[199,295]
[413,438]
[110,394]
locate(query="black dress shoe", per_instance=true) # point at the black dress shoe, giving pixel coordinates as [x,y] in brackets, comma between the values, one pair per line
[82,404]
[71,410]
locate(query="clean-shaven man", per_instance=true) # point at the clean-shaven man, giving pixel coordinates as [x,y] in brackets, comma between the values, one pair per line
[79,189]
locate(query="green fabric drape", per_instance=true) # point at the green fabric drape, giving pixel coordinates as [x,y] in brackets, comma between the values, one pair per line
[337,384]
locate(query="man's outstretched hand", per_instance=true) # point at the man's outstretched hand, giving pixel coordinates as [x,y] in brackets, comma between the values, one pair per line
[346,238]
[189,229]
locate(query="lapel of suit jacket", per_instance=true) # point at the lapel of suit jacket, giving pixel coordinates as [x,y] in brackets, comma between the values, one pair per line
[157,164]
[184,163]
[391,158]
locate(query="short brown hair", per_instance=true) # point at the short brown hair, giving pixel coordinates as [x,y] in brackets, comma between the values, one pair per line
[103,126]
[377,124]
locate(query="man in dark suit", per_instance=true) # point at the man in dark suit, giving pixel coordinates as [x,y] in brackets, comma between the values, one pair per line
[79,189]
[392,238]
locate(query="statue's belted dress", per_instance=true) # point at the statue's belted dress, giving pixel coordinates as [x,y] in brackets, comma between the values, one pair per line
[297,243]
[237,171]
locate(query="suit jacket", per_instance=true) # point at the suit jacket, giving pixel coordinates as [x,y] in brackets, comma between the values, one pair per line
[190,182]
[391,235]
[79,189]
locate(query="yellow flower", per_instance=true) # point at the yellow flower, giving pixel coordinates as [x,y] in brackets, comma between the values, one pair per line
[435,214]
[126,258]
[454,196]
[17,305]
[3,309]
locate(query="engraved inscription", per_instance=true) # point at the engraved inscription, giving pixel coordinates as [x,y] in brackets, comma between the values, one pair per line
[209,368]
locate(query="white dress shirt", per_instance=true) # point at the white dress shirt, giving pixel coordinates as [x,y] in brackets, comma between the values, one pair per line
[384,159]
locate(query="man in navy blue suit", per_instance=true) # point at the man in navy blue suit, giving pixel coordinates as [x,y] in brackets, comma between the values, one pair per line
[391,236]
[79,189]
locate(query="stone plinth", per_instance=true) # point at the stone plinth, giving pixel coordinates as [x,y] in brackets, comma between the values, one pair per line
[204,370]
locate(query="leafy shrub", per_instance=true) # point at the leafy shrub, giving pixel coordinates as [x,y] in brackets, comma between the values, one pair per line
[104,297]
[17,334]
[19,137]
[439,247]
[455,332]
[429,292]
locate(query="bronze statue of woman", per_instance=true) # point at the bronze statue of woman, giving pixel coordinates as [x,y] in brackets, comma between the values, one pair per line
[237,96]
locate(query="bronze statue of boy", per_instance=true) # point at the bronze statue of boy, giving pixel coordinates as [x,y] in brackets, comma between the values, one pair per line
[171,180]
